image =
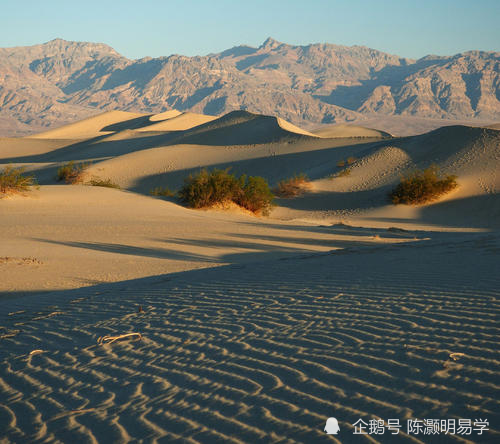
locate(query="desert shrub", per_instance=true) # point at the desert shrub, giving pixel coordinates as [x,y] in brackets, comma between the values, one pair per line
[422,186]
[96,182]
[162,191]
[292,187]
[13,180]
[344,173]
[255,194]
[71,173]
[207,189]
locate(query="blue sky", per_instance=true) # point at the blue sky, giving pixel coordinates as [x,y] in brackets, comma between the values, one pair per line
[139,28]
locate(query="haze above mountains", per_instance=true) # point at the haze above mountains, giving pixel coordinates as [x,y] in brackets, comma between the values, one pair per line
[51,84]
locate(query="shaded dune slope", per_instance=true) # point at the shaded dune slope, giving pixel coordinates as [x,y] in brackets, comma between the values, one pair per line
[243,128]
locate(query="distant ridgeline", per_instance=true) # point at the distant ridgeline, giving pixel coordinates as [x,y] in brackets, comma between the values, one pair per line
[47,85]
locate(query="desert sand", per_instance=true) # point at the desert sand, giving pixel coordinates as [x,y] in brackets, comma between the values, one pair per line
[179,122]
[349,131]
[246,328]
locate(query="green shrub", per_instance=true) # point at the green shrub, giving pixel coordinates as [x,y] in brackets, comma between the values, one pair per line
[420,187]
[96,182]
[207,189]
[71,173]
[292,187]
[255,195]
[13,180]
[162,191]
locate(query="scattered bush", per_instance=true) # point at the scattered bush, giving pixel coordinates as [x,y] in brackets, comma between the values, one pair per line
[96,182]
[162,191]
[344,173]
[422,186]
[13,180]
[71,173]
[295,186]
[255,195]
[207,189]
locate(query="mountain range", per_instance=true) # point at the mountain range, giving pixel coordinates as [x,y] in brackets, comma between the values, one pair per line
[50,84]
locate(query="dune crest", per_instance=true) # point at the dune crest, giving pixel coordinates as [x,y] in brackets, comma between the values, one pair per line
[343,130]
[244,128]
[177,122]
[165,115]
[99,125]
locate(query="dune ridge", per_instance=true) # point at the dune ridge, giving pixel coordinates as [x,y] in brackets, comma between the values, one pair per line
[243,128]
[179,122]
[344,130]
[87,128]
[165,115]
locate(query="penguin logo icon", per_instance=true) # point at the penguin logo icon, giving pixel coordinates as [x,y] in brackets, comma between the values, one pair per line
[332,426]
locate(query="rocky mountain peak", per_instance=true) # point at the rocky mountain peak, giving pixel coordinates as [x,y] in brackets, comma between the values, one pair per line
[270,44]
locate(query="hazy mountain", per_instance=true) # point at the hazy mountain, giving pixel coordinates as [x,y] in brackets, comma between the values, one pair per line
[59,81]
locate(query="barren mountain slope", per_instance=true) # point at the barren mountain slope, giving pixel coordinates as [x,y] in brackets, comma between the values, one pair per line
[59,82]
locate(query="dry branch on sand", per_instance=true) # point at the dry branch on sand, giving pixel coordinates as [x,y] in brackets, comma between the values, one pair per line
[110,339]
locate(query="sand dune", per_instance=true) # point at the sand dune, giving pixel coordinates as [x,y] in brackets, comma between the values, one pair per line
[252,329]
[258,145]
[169,165]
[107,235]
[180,122]
[11,148]
[101,124]
[472,154]
[404,126]
[287,126]
[243,128]
[343,130]
[264,352]
[165,115]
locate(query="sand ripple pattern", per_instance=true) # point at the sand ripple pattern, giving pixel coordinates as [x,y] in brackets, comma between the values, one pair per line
[260,353]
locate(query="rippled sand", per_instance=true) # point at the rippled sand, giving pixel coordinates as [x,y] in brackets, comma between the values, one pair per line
[262,352]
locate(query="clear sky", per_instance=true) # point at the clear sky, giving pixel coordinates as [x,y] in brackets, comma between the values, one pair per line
[139,28]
